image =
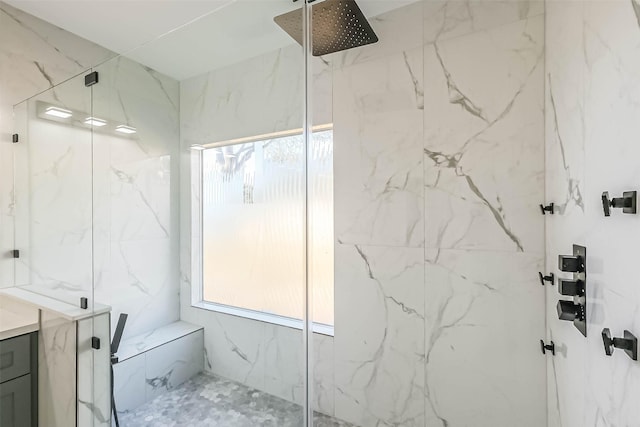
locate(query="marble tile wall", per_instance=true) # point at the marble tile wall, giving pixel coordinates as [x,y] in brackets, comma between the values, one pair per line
[134,246]
[592,94]
[439,168]
[445,141]
[34,56]
[136,196]
[117,231]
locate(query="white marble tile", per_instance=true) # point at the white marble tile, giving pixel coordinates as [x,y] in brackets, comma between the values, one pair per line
[36,55]
[593,95]
[135,199]
[256,97]
[378,172]
[379,347]
[93,371]
[323,363]
[284,363]
[172,364]
[484,139]
[138,283]
[234,347]
[129,384]
[138,344]
[454,18]
[57,371]
[483,319]
[399,30]
[565,180]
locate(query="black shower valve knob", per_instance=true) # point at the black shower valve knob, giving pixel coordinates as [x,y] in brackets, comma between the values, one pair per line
[628,343]
[571,287]
[627,202]
[569,311]
[571,263]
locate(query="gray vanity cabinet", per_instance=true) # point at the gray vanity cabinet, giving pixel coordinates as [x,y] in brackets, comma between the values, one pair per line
[19,381]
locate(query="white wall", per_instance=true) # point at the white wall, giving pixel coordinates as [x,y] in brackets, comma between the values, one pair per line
[592,127]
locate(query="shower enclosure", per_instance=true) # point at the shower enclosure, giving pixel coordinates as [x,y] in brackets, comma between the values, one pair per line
[342,219]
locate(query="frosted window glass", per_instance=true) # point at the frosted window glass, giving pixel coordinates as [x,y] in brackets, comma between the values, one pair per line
[253,225]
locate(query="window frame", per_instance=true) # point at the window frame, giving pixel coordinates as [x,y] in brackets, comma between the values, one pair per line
[197,243]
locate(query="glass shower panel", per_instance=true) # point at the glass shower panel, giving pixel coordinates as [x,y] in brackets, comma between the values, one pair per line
[7,198]
[53,193]
[438,158]
[200,220]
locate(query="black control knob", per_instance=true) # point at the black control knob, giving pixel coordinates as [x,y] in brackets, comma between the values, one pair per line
[569,311]
[571,263]
[571,287]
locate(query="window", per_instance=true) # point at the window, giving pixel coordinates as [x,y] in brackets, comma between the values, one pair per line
[252,228]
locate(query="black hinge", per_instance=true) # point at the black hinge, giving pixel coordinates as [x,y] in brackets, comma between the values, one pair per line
[550,347]
[15,253]
[84,303]
[15,138]
[95,343]
[91,79]
[548,208]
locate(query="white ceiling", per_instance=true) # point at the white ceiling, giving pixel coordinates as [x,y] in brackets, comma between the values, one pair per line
[180,38]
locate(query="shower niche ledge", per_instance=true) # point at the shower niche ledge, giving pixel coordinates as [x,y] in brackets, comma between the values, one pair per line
[35,297]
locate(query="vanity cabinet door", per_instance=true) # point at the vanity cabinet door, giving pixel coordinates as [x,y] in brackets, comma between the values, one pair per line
[15,402]
[15,357]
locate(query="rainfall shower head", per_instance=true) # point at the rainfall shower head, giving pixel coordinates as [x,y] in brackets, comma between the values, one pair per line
[336,25]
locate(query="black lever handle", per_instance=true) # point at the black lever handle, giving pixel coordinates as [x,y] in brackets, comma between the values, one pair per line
[627,202]
[629,343]
[550,278]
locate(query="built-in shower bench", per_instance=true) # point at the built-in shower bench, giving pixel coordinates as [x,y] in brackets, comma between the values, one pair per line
[155,362]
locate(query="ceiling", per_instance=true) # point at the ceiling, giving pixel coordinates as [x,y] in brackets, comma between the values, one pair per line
[180,38]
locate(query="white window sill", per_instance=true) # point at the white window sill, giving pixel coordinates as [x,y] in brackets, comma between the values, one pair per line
[288,322]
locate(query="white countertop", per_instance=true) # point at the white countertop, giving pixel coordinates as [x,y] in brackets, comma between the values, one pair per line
[17,319]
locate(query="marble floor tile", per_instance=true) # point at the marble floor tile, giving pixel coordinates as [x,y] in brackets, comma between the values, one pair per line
[208,400]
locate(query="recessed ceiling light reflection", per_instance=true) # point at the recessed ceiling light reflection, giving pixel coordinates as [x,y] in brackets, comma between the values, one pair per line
[126,129]
[93,121]
[58,112]
[198,147]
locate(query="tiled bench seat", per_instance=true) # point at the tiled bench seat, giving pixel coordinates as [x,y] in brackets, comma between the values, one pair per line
[153,363]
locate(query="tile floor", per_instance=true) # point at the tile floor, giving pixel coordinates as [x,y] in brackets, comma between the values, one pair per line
[210,401]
